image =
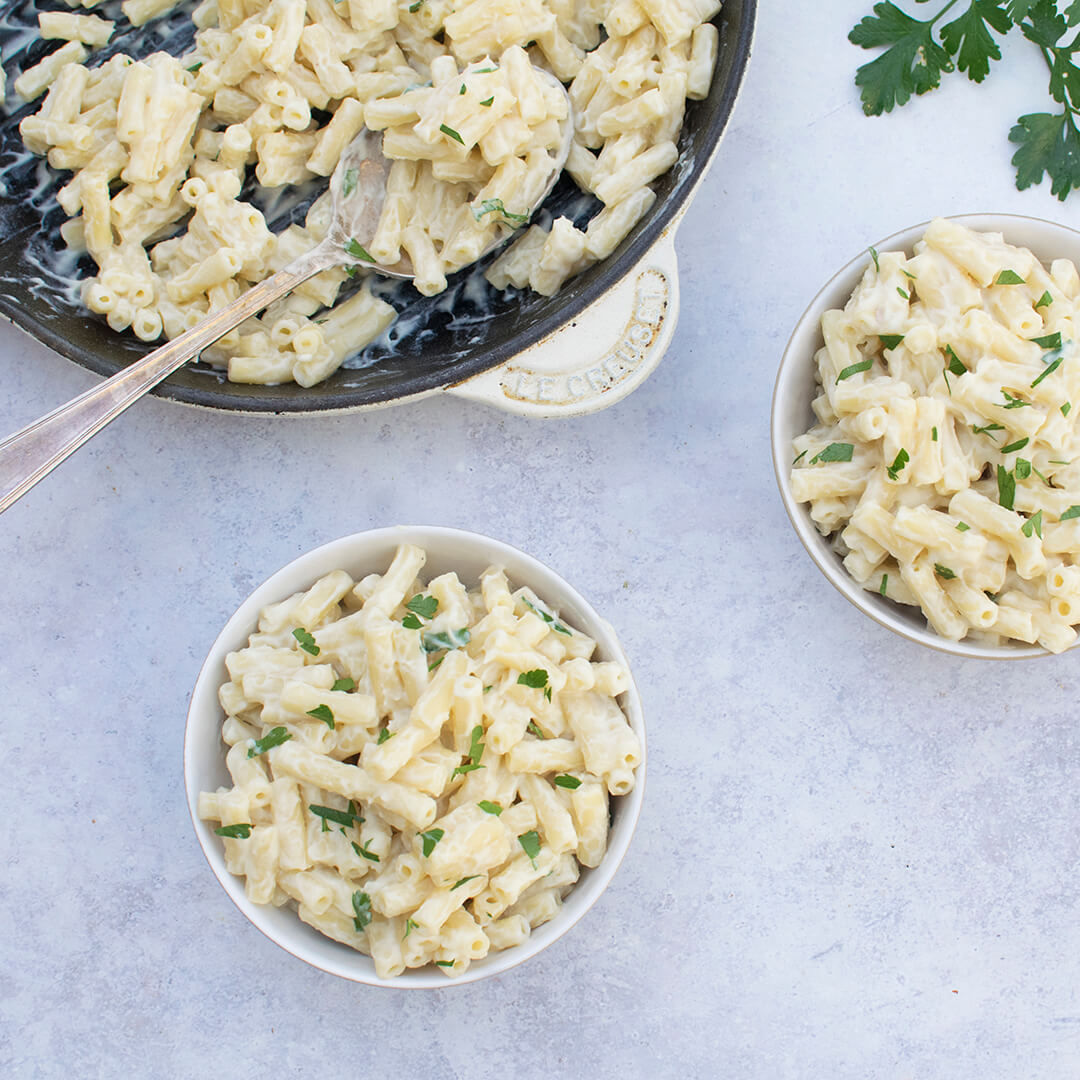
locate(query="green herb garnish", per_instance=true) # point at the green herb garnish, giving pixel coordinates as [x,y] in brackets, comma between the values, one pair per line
[195,67]
[962,526]
[1072,512]
[445,639]
[476,752]
[883,587]
[955,364]
[414,8]
[490,807]
[1044,301]
[899,462]
[274,737]
[1051,341]
[933,434]
[234,832]
[1049,370]
[837,451]
[410,926]
[348,184]
[488,102]
[364,851]
[411,622]
[451,133]
[1066,408]
[385,734]
[307,642]
[874,256]
[854,369]
[357,251]
[338,817]
[1033,525]
[903,292]
[987,429]
[361,905]
[890,341]
[571,783]
[345,684]
[1008,277]
[1013,402]
[323,713]
[491,206]
[444,963]
[537,678]
[425,606]
[549,618]
[1006,487]
[535,730]
[1014,446]
[430,839]
[530,843]
[1022,469]
[944,572]
[461,881]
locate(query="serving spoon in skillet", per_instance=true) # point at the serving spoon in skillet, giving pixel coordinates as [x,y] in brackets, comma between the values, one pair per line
[32,453]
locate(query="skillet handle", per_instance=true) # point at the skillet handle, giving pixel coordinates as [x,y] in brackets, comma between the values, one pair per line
[606,353]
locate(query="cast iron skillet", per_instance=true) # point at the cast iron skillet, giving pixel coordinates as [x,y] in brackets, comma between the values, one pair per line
[439,341]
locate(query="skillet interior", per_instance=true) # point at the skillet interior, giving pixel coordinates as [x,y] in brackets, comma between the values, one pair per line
[436,341]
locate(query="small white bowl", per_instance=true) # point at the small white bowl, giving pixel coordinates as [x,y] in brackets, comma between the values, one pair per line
[448,549]
[792,416]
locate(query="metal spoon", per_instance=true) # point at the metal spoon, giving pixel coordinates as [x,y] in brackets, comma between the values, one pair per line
[32,453]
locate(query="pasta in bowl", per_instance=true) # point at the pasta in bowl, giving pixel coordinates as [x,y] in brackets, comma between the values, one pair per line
[444,805]
[926,456]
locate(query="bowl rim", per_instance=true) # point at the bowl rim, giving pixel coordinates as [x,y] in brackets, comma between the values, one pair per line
[354,965]
[816,545]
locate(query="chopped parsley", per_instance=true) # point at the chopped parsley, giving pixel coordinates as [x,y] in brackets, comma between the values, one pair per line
[357,251]
[537,678]
[274,737]
[411,622]
[234,832]
[345,684]
[490,206]
[1033,525]
[571,783]
[530,843]
[490,807]
[962,526]
[476,752]
[385,734]
[1044,301]
[549,618]
[430,839]
[874,256]
[944,572]
[307,642]
[883,587]
[444,963]
[195,67]
[1014,446]
[933,434]
[461,881]
[1051,341]
[410,926]
[348,184]
[1008,277]
[1023,468]
[449,131]
[488,102]
[987,429]
[535,730]
[799,458]
[1048,370]
[1013,402]
[433,664]
[425,606]
[1066,408]
[903,292]
[461,92]
[414,8]
[890,341]
[854,369]
[445,639]
[837,451]
[899,462]
[1072,512]
[338,817]
[955,364]
[364,851]
[361,905]
[323,713]
[1006,483]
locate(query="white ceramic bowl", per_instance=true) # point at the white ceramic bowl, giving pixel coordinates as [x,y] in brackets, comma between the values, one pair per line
[360,554]
[792,416]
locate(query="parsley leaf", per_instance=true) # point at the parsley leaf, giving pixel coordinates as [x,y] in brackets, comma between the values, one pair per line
[962,526]
[451,133]
[944,572]
[1066,408]
[490,807]
[345,684]
[550,619]
[430,839]
[537,678]
[490,206]
[445,639]
[874,256]
[883,587]
[385,734]
[530,843]
[1072,512]
[361,905]
[348,184]
[535,730]
[912,64]
[274,737]
[1023,468]
[899,462]
[425,606]
[968,37]
[837,451]
[1013,402]
[488,102]
[571,783]
[338,817]
[1051,341]
[1006,487]
[411,622]
[356,250]
[307,642]
[1033,525]
[1044,301]
[323,713]
[890,341]
[444,963]
[461,881]
[234,832]
[987,429]
[1048,370]
[955,364]
[1008,277]
[854,369]
[476,752]
[1014,446]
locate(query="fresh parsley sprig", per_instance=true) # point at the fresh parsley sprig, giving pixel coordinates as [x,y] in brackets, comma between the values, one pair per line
[917,52]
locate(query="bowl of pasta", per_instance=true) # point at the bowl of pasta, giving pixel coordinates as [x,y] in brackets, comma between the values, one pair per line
[415,757]
[159,162]
[924,434]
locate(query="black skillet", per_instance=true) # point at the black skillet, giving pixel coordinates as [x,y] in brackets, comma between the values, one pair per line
[439,341]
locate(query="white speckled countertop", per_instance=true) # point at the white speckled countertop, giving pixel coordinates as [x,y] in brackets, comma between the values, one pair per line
[857,859]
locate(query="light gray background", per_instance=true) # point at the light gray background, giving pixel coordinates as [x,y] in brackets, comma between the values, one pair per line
[857,858]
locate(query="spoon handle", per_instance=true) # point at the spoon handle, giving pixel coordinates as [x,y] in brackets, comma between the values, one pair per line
[34,452]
